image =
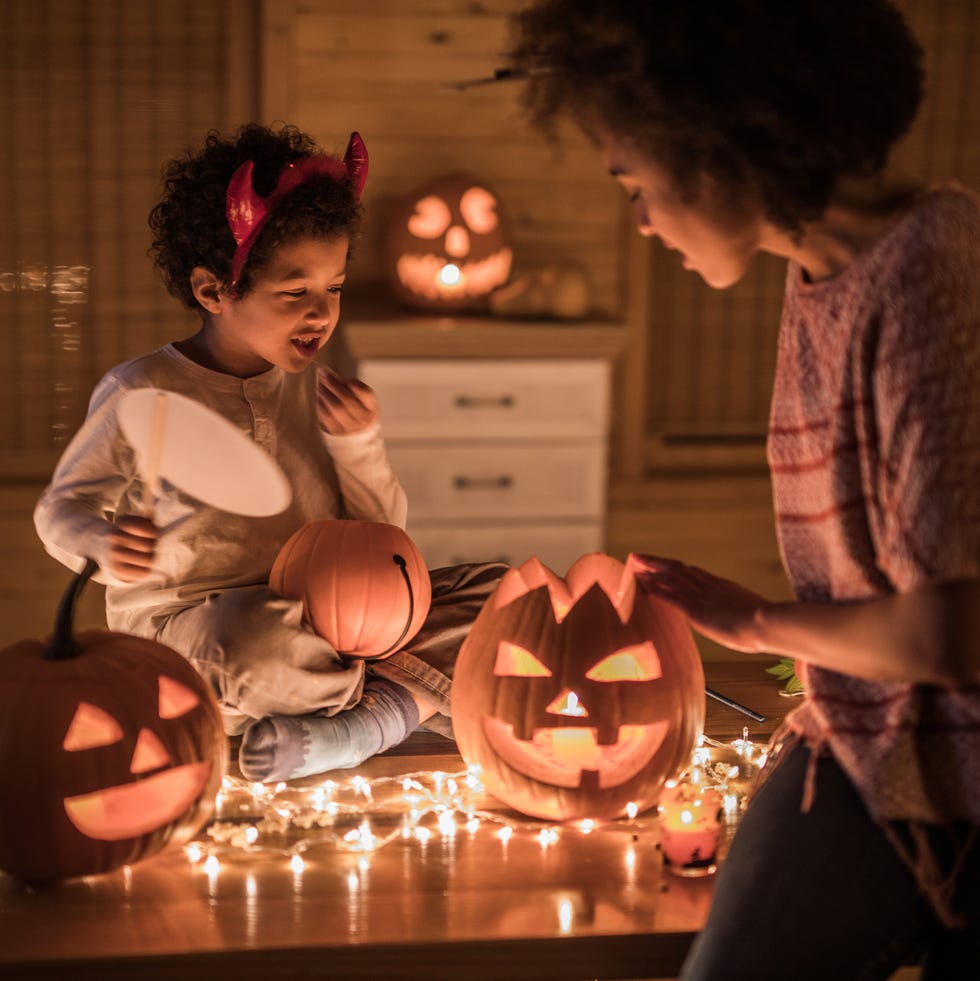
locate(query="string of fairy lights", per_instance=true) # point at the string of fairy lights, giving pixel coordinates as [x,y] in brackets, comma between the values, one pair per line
[289,822]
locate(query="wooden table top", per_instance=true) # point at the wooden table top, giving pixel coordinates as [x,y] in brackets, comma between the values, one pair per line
[453,900]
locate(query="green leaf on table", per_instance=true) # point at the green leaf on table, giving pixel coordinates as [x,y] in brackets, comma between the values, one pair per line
[785,670]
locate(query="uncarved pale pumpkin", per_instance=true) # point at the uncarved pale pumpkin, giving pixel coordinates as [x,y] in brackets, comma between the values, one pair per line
[111,748]
[577,696]
[364,584]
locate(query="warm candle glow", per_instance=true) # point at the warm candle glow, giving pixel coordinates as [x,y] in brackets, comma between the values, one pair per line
[450,274]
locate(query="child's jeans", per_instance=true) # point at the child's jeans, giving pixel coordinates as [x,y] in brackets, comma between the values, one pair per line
[261,658]
[825,896]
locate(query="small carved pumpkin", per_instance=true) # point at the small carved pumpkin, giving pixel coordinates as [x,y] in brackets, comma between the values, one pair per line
[577,696]
[111,748]
[364,584]
[448,245]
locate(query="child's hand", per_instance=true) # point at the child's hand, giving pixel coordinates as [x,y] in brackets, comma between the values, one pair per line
[131,548]
[344,405]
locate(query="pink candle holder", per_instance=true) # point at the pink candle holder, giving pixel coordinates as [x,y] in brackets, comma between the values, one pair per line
[691,824]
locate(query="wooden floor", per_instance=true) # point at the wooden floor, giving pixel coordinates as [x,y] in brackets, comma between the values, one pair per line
[435,902]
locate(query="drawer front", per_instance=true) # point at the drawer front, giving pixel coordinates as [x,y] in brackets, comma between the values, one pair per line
[557,545]
[488,399]
[451,481]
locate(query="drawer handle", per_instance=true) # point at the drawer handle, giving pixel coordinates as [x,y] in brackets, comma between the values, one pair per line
[481,483]
[485,401]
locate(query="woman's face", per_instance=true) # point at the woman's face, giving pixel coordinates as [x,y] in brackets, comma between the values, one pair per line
[716,236]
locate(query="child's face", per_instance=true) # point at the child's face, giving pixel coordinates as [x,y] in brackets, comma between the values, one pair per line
[290,311]
[716,237]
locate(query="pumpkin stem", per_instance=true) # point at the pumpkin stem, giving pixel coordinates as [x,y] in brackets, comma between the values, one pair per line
[62,645]
[401,563]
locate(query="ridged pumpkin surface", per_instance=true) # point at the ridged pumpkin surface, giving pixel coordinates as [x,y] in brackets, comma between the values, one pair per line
[106,757]
[353,589]
[579,696]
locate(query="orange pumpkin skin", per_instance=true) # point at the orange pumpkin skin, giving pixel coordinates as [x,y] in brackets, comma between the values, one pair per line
[630,665]
[91,777]
[354,591]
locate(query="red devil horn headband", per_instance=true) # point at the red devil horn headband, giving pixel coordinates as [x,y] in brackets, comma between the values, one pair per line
[248,211]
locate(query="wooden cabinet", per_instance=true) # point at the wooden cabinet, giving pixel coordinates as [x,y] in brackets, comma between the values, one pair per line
[503,455]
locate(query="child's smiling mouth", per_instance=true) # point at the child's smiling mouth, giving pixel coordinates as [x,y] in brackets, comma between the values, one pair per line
[307,346]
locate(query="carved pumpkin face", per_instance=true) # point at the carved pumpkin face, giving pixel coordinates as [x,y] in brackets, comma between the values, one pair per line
[448,245]
[106,757]
[579,696]
[364,584]
[156,789]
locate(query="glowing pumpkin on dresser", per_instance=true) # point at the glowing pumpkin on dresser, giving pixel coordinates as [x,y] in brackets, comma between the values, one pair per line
[111,748]
[364,584]
[448,245]
[578,696]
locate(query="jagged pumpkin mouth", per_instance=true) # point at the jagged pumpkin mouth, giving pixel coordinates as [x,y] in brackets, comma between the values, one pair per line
[558,755]
[421,274]
[133,809]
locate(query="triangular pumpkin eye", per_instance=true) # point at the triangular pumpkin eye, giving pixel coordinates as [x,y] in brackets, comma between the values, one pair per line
[638,663]
[175,699]
[91,727]
[515,661]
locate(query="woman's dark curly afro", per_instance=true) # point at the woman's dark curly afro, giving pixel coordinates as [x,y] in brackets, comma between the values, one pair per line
[782,97]
[190,226]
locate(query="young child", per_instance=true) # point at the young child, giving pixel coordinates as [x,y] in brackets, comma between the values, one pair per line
[746,126]
[254,233]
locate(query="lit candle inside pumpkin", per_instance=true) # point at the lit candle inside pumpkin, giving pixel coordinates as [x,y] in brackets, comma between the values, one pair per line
[690,828]
[450,275]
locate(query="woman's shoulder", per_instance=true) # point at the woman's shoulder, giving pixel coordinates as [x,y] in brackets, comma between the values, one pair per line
[936,244]
[947,216]
[930,291]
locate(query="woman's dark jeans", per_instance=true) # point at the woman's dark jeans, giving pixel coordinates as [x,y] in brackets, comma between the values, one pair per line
[825,895]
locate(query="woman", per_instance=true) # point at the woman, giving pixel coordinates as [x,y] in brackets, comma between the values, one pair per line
[748,126]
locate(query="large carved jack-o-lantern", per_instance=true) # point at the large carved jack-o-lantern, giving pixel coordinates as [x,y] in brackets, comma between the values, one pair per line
[579,696]
[447,245]
[111,747]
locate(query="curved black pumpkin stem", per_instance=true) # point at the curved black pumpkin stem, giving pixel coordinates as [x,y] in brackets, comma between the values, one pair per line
[402,564]
[63,646]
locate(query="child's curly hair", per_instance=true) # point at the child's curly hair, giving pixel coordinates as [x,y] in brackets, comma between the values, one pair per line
[190,226]
[779,96]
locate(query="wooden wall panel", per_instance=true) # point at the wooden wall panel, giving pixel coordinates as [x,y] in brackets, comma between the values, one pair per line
[389,70]
[96,95]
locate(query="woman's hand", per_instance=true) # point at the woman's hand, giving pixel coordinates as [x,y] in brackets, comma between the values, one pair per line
[925,636]
[344,405]
[132,545]
[718,608]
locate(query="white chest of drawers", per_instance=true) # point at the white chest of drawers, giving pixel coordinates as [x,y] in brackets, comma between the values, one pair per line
[501,457]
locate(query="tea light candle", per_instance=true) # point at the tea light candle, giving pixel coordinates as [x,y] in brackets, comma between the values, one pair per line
[690,828]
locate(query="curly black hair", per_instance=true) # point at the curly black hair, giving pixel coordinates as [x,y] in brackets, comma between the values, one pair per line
[783,97]
[189,224]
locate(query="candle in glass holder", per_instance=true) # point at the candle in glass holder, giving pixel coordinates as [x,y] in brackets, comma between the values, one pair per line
[690,828]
